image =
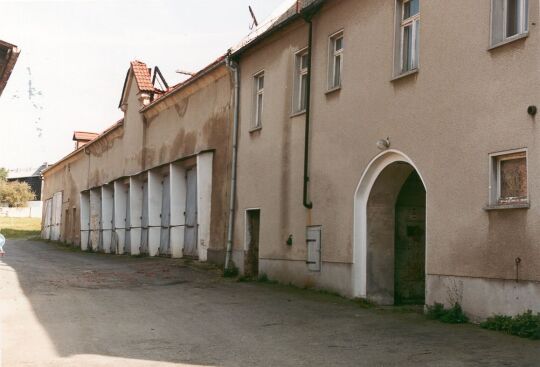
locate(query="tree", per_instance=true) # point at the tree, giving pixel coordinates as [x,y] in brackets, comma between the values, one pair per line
[15,194]
[3,174]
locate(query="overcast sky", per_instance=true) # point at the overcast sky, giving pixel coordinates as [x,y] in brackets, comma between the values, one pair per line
[75,54]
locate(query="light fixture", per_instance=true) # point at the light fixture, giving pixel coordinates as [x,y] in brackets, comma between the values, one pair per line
[383,144]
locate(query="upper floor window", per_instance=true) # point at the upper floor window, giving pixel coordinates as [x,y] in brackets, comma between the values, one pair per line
[509,19]
[300,81]
[336,61]
[258,99]
[407,35]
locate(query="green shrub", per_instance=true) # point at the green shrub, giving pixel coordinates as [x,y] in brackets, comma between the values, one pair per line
[525,325]
[453,315]
[231,272]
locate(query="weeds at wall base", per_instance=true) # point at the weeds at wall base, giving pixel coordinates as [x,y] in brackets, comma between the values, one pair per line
[453,315]
[525,325]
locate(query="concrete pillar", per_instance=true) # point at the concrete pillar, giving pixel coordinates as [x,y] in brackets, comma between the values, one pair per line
[120,220]
[85,220]
[107,207]
[178,207]
[155,194]
[135,213]
[95,219]
[204,201]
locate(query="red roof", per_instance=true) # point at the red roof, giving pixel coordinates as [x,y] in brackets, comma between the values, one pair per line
[142,76]
[84,136]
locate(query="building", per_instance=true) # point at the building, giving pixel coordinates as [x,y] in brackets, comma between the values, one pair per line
[8,57]
[32,176]
[157,181]
[375,157]
[82,138]
[390,161]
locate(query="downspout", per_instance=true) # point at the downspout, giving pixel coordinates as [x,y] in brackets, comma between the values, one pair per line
[235,68]
[306,201]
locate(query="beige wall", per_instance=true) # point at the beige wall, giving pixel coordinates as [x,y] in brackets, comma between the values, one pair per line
[192,120]
[464,103]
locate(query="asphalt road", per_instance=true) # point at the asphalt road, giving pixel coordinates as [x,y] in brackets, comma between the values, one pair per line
[60,307]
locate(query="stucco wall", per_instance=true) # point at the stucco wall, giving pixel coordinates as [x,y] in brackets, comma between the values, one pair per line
[464,103]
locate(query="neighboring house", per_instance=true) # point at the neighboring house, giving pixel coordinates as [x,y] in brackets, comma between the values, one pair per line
[157,181]
[8,57]
[416,180]
[32,176]
[82,138]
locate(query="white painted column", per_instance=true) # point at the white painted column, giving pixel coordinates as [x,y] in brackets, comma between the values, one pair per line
[85,220]
[95,218]
[135,213]
[120,203]
[178,207]
[107,206]
[204,201]
[155,195]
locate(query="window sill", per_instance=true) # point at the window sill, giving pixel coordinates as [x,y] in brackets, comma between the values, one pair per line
[255,129]
[509,40]
[333,90]
[299,113]
[524,205]
[404,75]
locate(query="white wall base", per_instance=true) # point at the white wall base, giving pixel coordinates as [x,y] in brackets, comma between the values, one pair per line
[481,297]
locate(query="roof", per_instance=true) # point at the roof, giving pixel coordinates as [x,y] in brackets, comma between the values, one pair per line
[84,136]
[287,12]
[17,173]
[192,79]
[8,57]
[97,138]
[143,76]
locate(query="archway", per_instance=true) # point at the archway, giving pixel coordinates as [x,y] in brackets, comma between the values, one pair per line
[389,232]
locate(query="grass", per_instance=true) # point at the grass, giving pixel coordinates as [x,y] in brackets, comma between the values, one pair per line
[453,315]
[20,227]
[526,325]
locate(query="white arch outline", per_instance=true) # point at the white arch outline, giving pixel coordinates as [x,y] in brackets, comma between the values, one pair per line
[361,196]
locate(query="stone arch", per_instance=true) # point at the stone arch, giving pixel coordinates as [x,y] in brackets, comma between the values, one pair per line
[375,196]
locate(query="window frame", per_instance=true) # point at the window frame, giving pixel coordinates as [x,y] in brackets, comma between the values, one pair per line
[401,24]
[495,159]
[299,73]
[502,23]
[257,119]
[333,54]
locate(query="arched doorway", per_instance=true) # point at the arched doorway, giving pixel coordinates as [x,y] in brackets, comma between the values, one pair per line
[390,227]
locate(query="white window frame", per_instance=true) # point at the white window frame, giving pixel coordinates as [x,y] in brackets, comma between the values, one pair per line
[258,92]
[499,22]
[333,56]
[413,22]
[495,160]
[299,73]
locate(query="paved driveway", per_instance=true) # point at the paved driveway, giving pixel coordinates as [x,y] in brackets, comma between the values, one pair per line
[66,308]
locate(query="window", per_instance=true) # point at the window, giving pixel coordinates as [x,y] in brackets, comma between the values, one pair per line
[300,81]
[509,20]
[407,36]
[336,61]
[509,178]
[259,100]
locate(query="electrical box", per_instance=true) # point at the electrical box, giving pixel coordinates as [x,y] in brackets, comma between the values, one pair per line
[313,242]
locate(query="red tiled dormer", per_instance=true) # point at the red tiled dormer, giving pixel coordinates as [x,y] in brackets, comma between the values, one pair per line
[82,138]
[142,76]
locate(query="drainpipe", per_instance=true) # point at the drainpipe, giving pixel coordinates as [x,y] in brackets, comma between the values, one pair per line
[306,201]
[235,68]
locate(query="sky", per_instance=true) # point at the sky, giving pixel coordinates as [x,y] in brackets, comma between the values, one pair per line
[75,55]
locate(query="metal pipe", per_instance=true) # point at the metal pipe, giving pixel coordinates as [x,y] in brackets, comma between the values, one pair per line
[235,68]
[306,201]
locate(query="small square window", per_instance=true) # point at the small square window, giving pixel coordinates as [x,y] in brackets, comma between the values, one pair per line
[509,20]
[509,178]
[335,62]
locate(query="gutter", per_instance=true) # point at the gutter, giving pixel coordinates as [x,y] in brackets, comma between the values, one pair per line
[235,69]
[308,16]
